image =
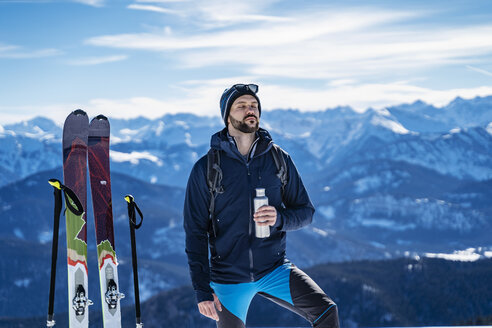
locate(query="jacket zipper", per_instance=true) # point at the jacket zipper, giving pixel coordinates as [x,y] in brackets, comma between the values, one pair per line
[251,275]
[251,260]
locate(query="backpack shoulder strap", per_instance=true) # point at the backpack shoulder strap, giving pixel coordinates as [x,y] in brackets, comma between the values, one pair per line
[214,172]
[214,182]
[280,164]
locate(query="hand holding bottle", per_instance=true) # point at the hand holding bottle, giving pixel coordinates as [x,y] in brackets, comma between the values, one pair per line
[265,216]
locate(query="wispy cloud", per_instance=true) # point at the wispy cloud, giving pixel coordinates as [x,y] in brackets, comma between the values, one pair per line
[212,13]
[89,61]
[219,19]
[94,3]
[274,34]
[479,70]
[325,44]
[154,9]
[162,1]
[353,55]
[17,52]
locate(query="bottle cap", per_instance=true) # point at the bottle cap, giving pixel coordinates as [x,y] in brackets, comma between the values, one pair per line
[260,192]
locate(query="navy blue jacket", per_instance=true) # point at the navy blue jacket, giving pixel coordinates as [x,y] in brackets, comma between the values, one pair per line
[236,254]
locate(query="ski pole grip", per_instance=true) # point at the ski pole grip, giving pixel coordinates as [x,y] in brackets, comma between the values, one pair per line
[55,183]
[129,199]
[131,212]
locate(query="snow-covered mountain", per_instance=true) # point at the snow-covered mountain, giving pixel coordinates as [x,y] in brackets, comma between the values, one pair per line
[453,139]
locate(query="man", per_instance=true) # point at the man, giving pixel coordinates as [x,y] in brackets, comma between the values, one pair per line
[243,265]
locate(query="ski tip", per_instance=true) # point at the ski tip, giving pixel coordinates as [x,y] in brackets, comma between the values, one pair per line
[79,112]
[129,199]
[55,183]
[100,117]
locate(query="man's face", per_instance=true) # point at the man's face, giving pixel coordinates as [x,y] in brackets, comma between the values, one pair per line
[244,115]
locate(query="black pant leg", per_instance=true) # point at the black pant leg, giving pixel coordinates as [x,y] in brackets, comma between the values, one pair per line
[228,320]
[309,300]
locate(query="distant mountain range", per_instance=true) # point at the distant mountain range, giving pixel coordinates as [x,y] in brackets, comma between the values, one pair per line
[163,150]
[401,181]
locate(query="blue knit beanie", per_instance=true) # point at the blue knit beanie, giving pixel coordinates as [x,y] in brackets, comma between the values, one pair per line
[234,92]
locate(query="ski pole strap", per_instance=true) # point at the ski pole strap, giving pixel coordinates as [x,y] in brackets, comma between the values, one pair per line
[131,212]
[78,209]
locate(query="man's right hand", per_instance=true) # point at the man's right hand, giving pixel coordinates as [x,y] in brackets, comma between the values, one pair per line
[207,308]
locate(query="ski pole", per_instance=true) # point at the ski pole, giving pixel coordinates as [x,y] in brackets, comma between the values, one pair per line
[134,226]
[54,248]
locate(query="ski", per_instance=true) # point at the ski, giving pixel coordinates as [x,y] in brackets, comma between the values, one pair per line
[103,216]
[75,135]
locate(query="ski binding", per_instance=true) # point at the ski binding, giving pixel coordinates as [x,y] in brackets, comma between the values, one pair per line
[80,302]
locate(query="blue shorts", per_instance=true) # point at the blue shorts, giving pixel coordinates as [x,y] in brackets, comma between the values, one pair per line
[286,285]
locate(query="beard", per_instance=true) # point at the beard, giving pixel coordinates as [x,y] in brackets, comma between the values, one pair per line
[243,126]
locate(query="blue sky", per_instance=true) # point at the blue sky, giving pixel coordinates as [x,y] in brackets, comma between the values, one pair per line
[127,58]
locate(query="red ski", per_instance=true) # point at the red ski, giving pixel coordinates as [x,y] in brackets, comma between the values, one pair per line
[103,216]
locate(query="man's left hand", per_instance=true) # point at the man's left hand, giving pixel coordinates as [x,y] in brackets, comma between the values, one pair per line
[265,216]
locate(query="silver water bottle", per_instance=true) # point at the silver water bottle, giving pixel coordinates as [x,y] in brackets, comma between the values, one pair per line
[259,201]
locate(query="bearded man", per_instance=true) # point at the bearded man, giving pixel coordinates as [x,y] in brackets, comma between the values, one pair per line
[223,219]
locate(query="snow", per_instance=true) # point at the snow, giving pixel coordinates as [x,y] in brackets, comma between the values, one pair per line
[412,255]
[367,183]
[188,139]
[390,125]
[48,137]
[467,255]
[411,213]
[45,237]
[128,132]
[18,233]
[386,224]
[489,128]
[134,157]
[327,211]
[305,135]
[377,245]
[150,284]
[369,289]
[160,128]
[320,232]
[182,124]
[22,282]
[383,112]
